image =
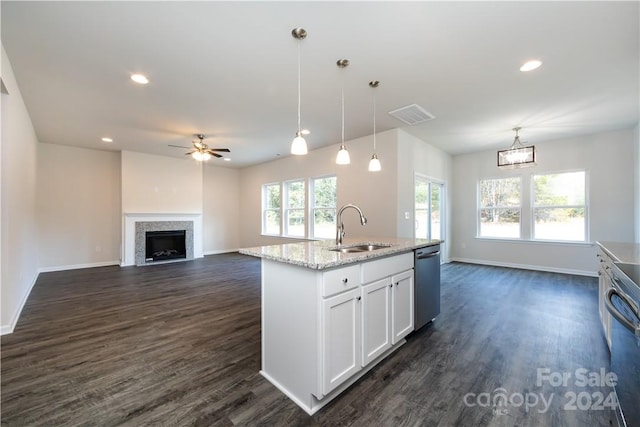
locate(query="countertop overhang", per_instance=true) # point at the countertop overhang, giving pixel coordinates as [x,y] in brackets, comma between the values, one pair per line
[318,255]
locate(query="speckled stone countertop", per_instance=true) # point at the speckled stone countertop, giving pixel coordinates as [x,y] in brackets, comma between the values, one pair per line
[622,252]
[317,254]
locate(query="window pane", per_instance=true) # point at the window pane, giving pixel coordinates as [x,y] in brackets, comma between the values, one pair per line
[500,223]
[272,222]
[422,223]
[559,224]
[559,189]
[324,191]
[500,192]
[295,194]
[272,197]
[435,211]
[324,225]
[295,223]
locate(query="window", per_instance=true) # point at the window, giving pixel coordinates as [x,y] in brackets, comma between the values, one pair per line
[499,208]
[285,208]
[429,208]
[323,207]
[294,208]
[559,206]
[271,213]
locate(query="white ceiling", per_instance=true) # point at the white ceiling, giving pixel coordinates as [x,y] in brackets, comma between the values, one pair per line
[229,70]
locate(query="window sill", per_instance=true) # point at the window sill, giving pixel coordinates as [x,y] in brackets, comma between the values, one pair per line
[535,242]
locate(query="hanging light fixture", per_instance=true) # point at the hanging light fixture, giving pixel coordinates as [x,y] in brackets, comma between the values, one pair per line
[343,155]
[299,145]
[374,163]
[517,155]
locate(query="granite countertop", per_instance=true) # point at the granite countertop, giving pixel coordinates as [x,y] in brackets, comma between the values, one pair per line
[621,251]
[317,254]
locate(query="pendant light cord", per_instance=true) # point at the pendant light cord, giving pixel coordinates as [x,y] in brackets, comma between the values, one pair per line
[298,86]
[342,110]
[374,122]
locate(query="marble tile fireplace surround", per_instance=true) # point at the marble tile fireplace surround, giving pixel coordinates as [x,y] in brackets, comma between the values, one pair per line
[135,226]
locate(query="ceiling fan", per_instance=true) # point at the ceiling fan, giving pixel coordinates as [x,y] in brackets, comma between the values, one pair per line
[201,151]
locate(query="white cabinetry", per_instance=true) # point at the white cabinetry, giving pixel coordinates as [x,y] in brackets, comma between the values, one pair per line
[324,329]
[340,338]
[402,300]
[376,319]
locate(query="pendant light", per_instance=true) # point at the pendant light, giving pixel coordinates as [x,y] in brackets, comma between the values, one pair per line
[517,155]
[299,145]
[374,163]
[343,155]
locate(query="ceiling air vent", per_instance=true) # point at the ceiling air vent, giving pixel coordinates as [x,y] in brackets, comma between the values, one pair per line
[412,114]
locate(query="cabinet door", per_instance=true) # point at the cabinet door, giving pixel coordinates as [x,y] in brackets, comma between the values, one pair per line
[376,319]
[340,338]
[402,303]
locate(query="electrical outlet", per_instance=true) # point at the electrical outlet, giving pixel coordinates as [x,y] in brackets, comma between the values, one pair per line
[407,215]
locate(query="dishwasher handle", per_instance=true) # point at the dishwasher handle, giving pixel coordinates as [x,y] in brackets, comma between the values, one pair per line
[421,255]
[617,315]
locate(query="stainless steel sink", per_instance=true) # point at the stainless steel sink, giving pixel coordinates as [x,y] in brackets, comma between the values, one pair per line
[359,248]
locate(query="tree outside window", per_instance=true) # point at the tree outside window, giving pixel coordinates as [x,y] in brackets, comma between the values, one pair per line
[559,206]
[271,211]
[500,207]
[324,207]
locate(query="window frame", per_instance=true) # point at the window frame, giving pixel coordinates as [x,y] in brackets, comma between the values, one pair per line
[313,207]
[527,208]
[480,208]
[533,206]
[286,210]
[266,209]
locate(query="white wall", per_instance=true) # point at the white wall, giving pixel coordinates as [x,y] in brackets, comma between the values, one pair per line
[78,207]
[221,209]
[373,192]
[417,156]
[608,159]
[159,184]
[18,193]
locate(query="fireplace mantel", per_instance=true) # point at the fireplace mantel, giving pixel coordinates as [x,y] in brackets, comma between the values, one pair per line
[129,232]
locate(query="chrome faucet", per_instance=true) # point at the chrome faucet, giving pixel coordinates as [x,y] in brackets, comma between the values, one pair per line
[340,225]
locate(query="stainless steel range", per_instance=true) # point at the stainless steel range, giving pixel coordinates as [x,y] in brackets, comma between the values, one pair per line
[623,302]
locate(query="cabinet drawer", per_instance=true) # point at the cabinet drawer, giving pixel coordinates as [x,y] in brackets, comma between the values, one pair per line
[385,267]
[340,279]
[605,262]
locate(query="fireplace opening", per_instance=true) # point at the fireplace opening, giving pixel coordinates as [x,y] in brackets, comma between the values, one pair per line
[165,245]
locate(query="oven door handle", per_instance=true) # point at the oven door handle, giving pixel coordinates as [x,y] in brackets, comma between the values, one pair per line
[615,313]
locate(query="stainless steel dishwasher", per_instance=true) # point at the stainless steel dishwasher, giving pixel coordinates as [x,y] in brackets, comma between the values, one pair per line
[427,285]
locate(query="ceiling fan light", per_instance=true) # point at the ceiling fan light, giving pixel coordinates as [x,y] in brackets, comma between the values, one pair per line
[197,155]
[206,156]
[299,145]
[374,164]
[343,157]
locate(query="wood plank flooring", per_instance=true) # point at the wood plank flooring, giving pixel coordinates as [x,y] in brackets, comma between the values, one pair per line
[179,345]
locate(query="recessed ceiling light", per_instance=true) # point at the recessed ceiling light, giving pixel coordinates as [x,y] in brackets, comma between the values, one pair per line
[305,131]
[531,65]
[226,159]
[140,78]
[105,139]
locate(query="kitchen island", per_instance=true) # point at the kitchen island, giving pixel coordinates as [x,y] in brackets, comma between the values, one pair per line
[331,313]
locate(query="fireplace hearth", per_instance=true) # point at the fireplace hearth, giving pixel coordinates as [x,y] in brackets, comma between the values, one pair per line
[165,245]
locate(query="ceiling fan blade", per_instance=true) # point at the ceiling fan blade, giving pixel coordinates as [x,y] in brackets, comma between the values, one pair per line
[224,150]
[179,146]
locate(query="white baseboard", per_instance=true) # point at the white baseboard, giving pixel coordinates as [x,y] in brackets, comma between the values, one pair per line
[526,267]
[77,266]
[8,329]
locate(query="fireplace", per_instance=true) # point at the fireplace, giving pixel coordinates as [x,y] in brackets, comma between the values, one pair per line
[171,241]
[165,245]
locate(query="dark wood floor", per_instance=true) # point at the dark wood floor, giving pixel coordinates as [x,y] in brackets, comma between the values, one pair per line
[179,344]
